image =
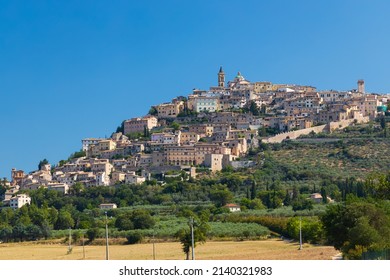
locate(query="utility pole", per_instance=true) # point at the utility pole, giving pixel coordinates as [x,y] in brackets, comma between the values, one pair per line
[70,241]
[192,238]
[83,248]
[154,249]
[300,233]
[106,236]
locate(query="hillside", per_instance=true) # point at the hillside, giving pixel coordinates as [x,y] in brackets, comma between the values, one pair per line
[341,158]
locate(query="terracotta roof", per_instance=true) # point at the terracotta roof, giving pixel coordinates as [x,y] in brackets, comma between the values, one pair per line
[231,205]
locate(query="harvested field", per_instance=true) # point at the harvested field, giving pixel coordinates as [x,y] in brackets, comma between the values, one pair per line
[212,250]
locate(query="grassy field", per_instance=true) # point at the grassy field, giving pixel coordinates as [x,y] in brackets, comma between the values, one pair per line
[213,250]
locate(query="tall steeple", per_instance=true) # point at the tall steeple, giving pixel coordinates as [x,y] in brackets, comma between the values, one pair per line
[221,78]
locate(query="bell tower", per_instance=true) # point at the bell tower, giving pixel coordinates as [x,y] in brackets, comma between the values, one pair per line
[221,78]
[361,86]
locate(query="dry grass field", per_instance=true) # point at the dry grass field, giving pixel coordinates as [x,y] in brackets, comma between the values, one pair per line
[212,250]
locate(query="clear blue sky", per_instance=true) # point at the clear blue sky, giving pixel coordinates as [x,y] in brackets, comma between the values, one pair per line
[76,69]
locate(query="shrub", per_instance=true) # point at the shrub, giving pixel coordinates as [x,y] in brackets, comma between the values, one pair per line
[123,222]
[302,204]
[142,219]
[92,234]
[134,237]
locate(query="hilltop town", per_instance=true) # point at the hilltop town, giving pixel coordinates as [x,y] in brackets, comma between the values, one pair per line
[208,129]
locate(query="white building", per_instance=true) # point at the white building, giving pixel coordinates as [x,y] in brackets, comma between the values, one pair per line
[102,179]
[166,138]
[19,200]
[200,103]
[90,141]
[105,206]
[209,104]
[233,207]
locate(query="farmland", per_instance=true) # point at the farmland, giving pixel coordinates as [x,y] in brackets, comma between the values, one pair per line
[213,250]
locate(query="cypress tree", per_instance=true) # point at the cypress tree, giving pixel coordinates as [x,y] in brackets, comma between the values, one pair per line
[287,199]
[324,196]
[253,189]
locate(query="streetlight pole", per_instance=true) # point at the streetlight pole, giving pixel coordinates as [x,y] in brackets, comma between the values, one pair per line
[192,239]
[106,237]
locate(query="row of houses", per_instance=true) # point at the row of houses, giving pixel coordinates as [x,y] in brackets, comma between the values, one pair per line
[102,167]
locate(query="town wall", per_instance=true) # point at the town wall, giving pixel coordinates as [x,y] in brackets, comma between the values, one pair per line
[294,134]
[344,123]
[316,129]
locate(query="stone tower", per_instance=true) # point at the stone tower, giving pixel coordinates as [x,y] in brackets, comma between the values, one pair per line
[360,86]
[221,78]
[17,176]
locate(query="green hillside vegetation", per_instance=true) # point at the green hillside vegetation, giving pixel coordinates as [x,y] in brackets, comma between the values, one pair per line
[343,158]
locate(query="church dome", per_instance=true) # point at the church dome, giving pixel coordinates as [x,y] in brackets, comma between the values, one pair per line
[240,77]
